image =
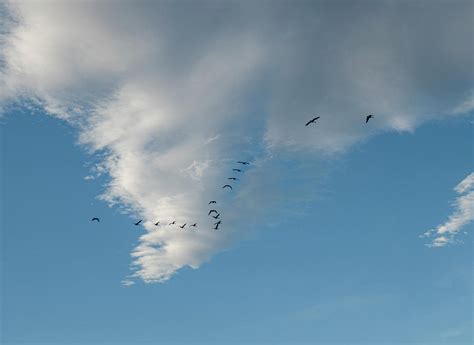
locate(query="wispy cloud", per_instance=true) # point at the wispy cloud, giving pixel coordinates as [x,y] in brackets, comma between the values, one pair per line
[466,106]
[149,94]
[463,214]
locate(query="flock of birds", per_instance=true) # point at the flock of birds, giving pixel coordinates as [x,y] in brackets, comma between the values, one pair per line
[213,212]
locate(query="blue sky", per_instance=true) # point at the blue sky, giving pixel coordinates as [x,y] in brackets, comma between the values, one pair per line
[339,232]
[353,261]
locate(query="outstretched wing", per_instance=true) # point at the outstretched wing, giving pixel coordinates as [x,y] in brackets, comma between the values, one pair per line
[311,121]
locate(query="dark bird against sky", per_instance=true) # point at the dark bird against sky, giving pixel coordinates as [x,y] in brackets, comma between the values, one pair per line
[212,202]
[312,121]
[216,216]
[211,212]
[237,170]
[244,163]
[227,186]
[233,178]
[138,223]
[157,223]
[182,226]
[95,218]
[368,117]
[173,222]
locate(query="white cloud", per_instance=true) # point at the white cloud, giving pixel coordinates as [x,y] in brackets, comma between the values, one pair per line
[463,214]
[149,86]
[466,105]
[127,283]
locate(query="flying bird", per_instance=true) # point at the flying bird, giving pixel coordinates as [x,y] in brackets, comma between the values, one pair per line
[217,225]
[137,223]
[227,185]
[157,223]
[95,218]
[182,226]
[211,212]
[173,222]
[216,216]
[244,163]
[237,170]
[368,117]
[312,121]
[195,225]
[212,202]
[233,178]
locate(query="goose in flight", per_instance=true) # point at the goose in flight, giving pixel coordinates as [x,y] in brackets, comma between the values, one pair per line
[157,223]
[138,223]
[216,216]
[212,202]
[217,225]
[211,212]
[173,222]
[237,170]
[182,226]
[195,225]
[227,186]
[233,178]
[368,117]
[95,218]
[312,121]
[244,163]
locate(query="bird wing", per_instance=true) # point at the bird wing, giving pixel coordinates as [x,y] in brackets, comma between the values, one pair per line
[311,121]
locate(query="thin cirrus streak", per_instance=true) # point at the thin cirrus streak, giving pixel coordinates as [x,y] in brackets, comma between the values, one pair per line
[447,233]
[170,106]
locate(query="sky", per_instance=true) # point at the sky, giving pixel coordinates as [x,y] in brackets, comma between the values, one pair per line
[128,111]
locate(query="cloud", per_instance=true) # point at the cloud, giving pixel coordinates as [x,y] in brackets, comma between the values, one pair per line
[466,106]
[463,214]
[168,95]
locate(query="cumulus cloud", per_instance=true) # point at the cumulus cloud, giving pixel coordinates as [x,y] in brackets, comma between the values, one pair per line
[170,94]
[463,214]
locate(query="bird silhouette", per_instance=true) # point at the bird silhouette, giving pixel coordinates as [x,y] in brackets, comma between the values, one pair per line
[233,178]
[217,225]
[138,223]
[244,163]
[195,225]
[157,223]
[368,117]
[182,226]
[312,121]
[227,186]
[216,216]
[212,202]
[237,170]
[173,222]
[211,212]
[95,218]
